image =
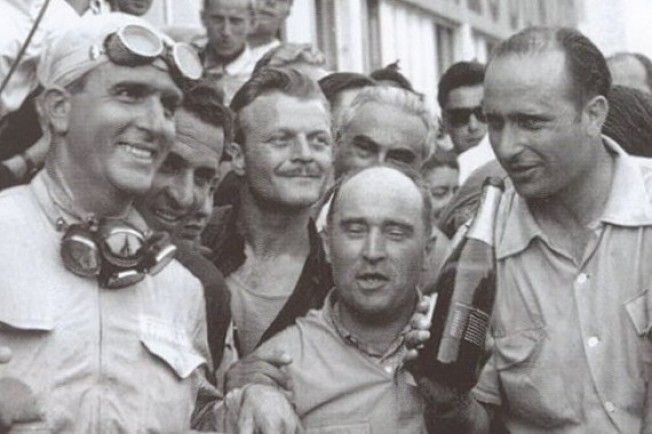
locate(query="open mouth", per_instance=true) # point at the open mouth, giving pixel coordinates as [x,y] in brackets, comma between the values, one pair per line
[371,280]
[141,152]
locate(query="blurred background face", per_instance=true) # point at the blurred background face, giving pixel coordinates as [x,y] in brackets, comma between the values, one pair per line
[288,149]
[376,242]
[227,24]
[270,16]
[465,131]
[628,71]
[443,182]
[379,133]
[133,7]
[180,199]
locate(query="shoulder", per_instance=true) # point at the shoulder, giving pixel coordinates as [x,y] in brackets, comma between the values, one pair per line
[310,331]
[17,206]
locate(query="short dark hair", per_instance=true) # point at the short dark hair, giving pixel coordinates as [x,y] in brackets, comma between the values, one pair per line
[459,75]
[206,102]
[334,83]
[440,159]
[643,59]
[585,63]
[629,121]
[391,73]
[406,170]
[286,81]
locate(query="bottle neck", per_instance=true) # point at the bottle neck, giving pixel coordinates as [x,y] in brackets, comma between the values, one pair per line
[482,227]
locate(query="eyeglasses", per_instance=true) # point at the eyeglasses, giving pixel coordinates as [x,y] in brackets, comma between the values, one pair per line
[460,116]
[135,45]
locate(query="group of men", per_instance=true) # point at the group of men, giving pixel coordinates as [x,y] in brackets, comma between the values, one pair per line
[296,301]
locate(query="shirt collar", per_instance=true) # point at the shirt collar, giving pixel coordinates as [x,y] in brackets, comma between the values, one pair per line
[330,313]
[47,192]
[629,204]
[237,66]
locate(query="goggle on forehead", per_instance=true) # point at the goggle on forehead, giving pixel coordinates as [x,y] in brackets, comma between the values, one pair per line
[135,45]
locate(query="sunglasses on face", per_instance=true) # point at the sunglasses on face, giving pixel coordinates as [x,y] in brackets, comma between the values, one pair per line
[460,116]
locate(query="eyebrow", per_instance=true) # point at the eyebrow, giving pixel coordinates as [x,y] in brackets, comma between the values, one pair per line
[366,140]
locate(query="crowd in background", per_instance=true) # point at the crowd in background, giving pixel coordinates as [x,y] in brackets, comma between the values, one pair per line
[214,232]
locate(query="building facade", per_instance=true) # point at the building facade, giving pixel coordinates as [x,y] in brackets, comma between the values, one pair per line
[425,36]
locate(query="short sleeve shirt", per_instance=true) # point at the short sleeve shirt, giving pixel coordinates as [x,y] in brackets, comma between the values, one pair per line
[572,347]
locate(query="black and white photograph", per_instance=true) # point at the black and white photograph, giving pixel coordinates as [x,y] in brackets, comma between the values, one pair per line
[326,216]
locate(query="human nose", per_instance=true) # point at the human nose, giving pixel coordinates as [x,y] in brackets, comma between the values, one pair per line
[155,120]
[507,143]
[182,192]
[301,149]
[226,28]
[374,247]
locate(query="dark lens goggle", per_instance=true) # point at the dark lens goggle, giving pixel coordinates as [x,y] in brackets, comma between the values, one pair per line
[461,116]
[135,45]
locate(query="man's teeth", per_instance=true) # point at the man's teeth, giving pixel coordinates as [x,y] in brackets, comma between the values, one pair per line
[138,152]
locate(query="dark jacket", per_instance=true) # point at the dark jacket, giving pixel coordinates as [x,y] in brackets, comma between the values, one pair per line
[216,294]
[224,237]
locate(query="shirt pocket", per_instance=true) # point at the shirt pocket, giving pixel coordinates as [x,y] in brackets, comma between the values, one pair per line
[170,393]
[534,387]
[639,317]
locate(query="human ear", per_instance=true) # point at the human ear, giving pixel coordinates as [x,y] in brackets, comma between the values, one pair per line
[55,108]
[595,112]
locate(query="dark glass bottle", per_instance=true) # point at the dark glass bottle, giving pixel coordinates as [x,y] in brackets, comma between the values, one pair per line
[464,292]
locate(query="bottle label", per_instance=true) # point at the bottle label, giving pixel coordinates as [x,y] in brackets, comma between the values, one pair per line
[469,323]
[476,329]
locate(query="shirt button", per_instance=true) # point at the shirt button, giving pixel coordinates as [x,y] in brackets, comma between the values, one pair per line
[581,279]
[609,406]
[389,369]
[593,341]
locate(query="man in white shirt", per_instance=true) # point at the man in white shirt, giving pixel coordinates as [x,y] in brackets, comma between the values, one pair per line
[227,58]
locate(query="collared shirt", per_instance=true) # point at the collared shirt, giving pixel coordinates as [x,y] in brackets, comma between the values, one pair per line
[229,77]
[16,20]
[572,351]
[343,386]
[101,360]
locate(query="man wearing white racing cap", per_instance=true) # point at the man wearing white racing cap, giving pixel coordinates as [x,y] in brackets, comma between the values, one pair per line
[106,331]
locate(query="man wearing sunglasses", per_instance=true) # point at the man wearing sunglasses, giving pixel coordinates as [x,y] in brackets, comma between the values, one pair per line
[460,98]
[103,342]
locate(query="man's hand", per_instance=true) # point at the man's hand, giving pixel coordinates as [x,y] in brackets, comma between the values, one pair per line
[17,401]
[260,368]
[265,410]
[419,330]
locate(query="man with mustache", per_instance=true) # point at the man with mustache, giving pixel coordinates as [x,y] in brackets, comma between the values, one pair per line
[571,321]
[227,58]
[265,243]
[347,373]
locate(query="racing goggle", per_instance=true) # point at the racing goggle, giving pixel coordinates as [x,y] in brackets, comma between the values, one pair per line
[115,252]
[135,44]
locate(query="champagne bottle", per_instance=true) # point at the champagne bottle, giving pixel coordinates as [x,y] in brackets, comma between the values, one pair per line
[464,294]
